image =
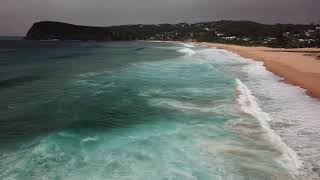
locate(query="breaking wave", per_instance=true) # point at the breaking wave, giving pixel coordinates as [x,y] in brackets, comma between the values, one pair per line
[250,106]
[187,51]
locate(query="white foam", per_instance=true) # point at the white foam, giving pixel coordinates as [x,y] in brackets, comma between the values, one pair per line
[189,45]
[170,103]
[190,107]
[295,116]
[249,105]
[187,51]
[66,134]
[90,139]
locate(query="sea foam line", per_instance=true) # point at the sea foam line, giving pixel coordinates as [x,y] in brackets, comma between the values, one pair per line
[189,45]
[187,51]
[249,105]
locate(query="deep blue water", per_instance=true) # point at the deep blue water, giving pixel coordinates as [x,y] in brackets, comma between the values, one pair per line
[129,110]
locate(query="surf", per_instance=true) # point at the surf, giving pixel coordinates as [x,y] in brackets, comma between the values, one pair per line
[249,105]
[187,51]
[118,114]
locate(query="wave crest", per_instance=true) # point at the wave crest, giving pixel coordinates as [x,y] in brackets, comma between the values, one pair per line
[187,51]
[250,106]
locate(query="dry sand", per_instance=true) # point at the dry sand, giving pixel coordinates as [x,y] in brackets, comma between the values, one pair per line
[300,67]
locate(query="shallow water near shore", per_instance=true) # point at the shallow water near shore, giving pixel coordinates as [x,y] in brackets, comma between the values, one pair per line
[140,110]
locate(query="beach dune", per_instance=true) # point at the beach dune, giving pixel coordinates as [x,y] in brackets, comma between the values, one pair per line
[299,67]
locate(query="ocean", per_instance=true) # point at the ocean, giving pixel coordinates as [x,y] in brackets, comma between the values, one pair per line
[149,110]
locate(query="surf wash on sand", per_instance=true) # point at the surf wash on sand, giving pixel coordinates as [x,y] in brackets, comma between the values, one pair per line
[249,105]
[138,110]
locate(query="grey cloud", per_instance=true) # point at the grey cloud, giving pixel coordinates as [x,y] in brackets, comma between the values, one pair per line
[16,16]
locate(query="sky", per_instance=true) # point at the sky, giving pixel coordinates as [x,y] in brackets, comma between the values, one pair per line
[17,16]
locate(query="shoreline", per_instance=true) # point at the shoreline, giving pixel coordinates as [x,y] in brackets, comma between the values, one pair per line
[299,67]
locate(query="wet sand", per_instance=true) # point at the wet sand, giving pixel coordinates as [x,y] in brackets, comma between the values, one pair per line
[300,67]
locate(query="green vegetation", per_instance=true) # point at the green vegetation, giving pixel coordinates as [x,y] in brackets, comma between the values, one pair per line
[232,32]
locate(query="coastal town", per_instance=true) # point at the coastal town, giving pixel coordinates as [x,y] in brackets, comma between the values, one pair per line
[245,33]
[159,90]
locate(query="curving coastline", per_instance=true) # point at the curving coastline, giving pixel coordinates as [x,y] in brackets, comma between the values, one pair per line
[299,67]
[294,115]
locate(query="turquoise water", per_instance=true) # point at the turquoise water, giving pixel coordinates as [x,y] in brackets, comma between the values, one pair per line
[131,110]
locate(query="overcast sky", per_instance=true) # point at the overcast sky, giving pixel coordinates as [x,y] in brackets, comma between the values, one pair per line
[16,16]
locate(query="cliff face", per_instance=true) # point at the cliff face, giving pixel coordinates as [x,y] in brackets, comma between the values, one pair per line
[47,30]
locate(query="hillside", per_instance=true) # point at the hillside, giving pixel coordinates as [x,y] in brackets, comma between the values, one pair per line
[233,32]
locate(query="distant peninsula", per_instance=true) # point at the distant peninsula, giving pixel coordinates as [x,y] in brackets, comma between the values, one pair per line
[228,32]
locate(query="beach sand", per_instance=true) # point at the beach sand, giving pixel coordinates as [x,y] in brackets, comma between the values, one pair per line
[300,67]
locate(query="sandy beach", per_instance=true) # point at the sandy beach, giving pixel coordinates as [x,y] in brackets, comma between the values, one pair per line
[300,67]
